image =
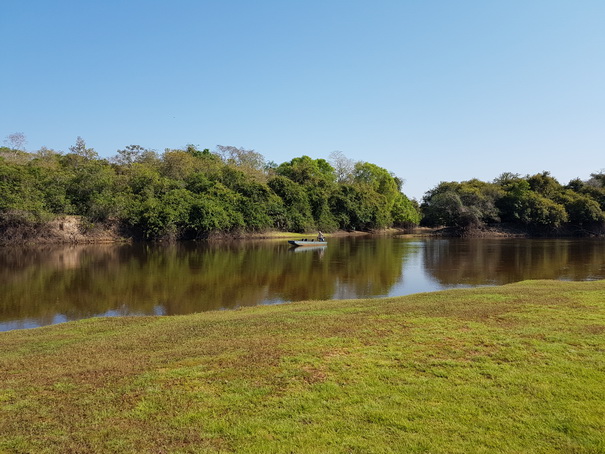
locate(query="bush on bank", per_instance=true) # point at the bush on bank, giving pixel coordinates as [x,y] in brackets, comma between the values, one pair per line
[537,203]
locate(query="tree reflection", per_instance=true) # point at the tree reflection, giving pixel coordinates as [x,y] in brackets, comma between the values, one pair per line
[486,262]
[72,282]
[83,281]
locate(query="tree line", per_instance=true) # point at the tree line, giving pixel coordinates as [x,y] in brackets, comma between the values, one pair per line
[191,193]
[537,203]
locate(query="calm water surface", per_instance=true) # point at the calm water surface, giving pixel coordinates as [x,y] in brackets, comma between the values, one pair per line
[46,285]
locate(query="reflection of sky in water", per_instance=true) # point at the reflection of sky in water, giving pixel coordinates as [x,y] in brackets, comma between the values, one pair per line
[272,301]
[32,323]
[415,277]
[125,311]
[61,318]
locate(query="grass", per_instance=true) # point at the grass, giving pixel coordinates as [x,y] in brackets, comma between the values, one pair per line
[512,369]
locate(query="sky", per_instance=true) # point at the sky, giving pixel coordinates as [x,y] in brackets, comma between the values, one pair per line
[431,90]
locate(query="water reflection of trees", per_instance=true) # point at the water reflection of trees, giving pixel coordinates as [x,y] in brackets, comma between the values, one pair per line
[82,281]
[354,268]
[482,262]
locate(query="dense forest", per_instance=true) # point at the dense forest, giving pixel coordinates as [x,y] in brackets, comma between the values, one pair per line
[538,204]
[191,193]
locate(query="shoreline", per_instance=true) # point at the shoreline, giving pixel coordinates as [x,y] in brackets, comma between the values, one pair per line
[75,230]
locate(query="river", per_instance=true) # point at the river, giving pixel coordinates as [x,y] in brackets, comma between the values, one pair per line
[47,285]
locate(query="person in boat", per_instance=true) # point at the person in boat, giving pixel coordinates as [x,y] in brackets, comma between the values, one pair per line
[320,236]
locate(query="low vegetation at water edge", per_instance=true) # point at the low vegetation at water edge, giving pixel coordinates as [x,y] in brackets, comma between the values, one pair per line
[518,368]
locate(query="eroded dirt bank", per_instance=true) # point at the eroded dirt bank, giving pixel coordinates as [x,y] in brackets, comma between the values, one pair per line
[62,230]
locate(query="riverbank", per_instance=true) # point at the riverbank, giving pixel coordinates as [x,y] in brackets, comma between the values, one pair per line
[507,230]
[61,230]
[76,230]
[517,368]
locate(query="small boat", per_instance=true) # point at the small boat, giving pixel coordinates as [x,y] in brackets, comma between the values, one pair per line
[307,243]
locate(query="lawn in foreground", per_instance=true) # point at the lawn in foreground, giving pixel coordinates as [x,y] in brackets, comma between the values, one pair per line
[518,368]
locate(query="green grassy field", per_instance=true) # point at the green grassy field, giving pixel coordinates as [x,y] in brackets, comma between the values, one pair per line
[512,369]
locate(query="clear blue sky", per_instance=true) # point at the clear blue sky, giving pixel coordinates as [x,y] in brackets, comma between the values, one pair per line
[431,90]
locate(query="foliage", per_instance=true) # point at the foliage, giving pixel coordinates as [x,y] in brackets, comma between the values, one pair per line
[20,191]
[194,192]
[129,154]
[467,204]
[307,171]
[80,149]
[581,209]
[190,192]
[247,161]
[296,215]
[405,212]
[354,209]
[538,202]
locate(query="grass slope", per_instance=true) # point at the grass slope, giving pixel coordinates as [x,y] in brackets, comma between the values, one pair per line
[518,368]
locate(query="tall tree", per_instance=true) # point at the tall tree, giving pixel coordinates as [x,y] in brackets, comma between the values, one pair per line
[248,161]
[343,166]
[80,149]
[129,154]
[16,141]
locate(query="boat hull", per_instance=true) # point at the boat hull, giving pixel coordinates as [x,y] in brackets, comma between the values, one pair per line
[308,243]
